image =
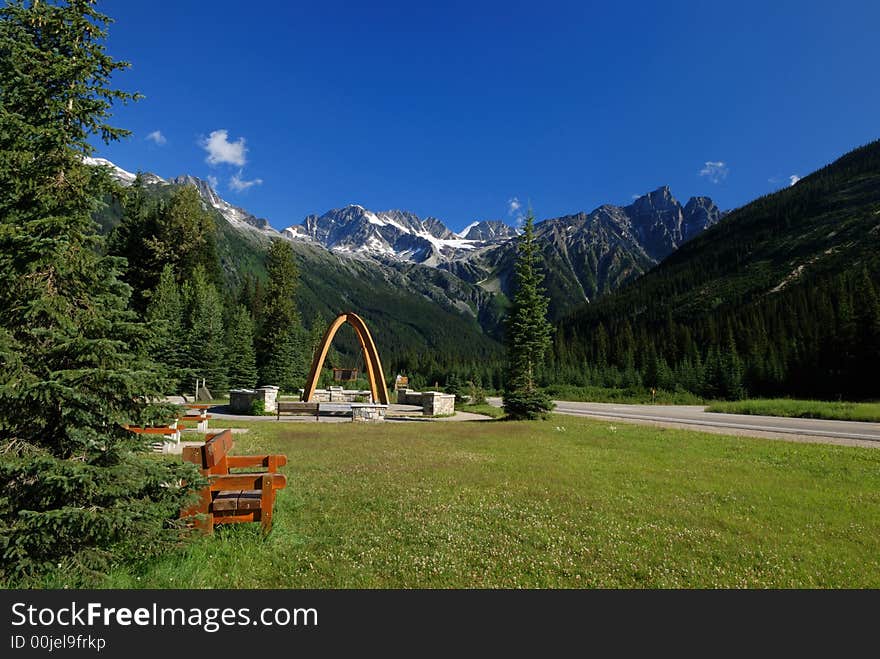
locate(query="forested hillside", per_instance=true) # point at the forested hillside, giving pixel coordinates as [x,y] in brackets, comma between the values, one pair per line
[418,320]
[779,298]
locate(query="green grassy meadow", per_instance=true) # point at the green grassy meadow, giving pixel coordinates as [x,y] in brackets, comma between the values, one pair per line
[805,409]
[484,409]
[628,395]
[566,503]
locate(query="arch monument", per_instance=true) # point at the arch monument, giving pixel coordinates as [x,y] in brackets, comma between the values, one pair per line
[371,358]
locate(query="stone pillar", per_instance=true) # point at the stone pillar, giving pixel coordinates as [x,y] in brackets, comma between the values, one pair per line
[269,394]
[435,403]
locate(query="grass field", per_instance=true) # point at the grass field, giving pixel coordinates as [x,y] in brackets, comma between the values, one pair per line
[483,408]
[563,503]
[805,409]
[630,395]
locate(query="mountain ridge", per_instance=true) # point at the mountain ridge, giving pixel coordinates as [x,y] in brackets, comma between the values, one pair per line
[780,298]
[586,255]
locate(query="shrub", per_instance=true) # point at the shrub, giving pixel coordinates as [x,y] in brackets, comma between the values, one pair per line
[476,392]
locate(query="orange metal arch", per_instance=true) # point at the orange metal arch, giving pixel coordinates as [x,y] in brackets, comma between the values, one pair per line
[371,358]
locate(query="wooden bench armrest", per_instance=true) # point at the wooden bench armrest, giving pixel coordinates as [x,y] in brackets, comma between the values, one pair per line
[255,460]
[237,497]
[153,430]
[246,481]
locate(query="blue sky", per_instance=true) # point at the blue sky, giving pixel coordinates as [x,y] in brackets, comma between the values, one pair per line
[454,109]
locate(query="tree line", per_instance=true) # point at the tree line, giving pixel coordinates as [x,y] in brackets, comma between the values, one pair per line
[779,299]
[202,328]
[817,339]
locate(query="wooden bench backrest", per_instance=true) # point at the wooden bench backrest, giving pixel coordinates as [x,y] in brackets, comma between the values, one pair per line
[291,406]
[211,457]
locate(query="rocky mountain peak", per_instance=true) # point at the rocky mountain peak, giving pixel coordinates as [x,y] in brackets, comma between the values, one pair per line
[122,176]
[699,214]
[395,234]
[488,231]
[660,199]
[233,214]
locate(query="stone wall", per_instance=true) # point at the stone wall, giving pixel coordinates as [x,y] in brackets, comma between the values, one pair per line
[339,395]
[368,412]
[242,400]
[435,403]
[409,397]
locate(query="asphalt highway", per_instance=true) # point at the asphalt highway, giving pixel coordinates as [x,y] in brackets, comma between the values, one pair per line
[694,416]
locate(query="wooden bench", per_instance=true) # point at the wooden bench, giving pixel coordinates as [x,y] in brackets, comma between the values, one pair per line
[201,419]
[169,435]
[296,407]
[169,431]
[235,497]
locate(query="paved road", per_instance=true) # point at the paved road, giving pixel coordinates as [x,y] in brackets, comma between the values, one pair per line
[693,416]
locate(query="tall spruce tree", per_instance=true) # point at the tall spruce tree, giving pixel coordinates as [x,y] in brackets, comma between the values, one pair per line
[528,333]
[240,349]
[165,315]
[205,336]
[280,343]
[155,232]
[77,487]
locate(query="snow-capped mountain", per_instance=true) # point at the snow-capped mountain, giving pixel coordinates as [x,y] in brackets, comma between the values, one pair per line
[122,176]
[390,234]
[585,255]
[235,215]
[655,224]
[488,231]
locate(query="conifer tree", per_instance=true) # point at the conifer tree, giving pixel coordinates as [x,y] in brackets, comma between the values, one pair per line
[154,233]
[77,487]
[867,303]
[240,350]
[316,335]
[165,316]
[280,344]
[186,236]
[205,335]
[528,334]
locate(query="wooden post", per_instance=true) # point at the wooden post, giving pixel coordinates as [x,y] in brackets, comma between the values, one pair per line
[267,502]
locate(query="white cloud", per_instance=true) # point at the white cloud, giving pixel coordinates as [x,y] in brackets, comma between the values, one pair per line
[157,137]
[794,178]
[715,171]
[221,150]
[514,210]
[213,182]
[636,196]
[240,185]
